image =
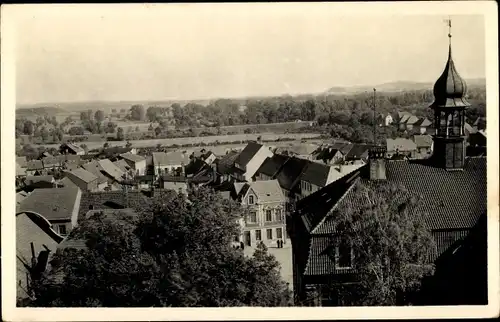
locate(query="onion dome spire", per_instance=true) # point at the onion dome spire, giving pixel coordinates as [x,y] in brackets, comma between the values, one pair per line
[450,89]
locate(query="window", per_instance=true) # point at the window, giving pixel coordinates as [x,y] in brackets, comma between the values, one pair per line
[344,256]
[62,229]
[253,217]
[250,200]
[269,234]
[279,215]
[269,216]
[258,235]
[279,233]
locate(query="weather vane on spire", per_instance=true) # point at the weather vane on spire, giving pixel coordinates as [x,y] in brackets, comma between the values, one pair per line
[448,22]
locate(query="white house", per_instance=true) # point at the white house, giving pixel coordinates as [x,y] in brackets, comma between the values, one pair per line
[249,161]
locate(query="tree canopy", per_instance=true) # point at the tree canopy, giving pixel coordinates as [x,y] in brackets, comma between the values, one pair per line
[176,251]
[391,246]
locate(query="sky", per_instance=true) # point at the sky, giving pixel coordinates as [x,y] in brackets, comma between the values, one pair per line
[207,51]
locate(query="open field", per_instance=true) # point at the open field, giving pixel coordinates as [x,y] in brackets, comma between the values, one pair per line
[199,140]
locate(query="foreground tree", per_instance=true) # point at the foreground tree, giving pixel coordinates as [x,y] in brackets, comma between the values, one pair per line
[391,246]
[177,252]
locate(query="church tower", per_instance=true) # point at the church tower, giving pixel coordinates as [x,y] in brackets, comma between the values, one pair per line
[449,116]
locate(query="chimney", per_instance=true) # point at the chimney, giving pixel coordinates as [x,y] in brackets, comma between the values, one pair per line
[377,162]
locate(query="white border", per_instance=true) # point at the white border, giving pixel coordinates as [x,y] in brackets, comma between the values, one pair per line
[9,14]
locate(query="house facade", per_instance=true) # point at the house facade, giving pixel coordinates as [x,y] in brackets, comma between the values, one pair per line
[249,161]
[265,221]
[171,163]
[401,147]
[136,162]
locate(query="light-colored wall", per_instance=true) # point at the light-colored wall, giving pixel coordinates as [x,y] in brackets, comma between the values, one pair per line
[91,186]
[256,162]
[307,188]
[262,224]
[177,186]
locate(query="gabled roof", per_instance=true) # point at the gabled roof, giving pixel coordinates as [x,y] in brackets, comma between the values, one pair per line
[404,118]
[400,144]
[401,114]
[248,153]
[225,164]
[423,141]
[95,168]
[122,165]
[111,169]
[73,147]
[52,203]
[423,122]
[412,120]
[316,173]
[272,165]
[115,150]
[343,147]
[132,157]
[170,158]
[291,172]
[83,175]
[266,191]
[358,151]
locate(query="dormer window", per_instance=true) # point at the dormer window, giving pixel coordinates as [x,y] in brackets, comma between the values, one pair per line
[250,200]
[344,255]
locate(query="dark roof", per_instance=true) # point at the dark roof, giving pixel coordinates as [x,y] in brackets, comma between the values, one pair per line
[272,165]
[447,212]
[53,203]
[225,164]
[291,172]
[342,147]
[316,173]
[450,89]
[248,153]
[358,151]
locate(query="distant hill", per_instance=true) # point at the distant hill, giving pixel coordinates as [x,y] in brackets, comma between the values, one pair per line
[39,111]
[395,87]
